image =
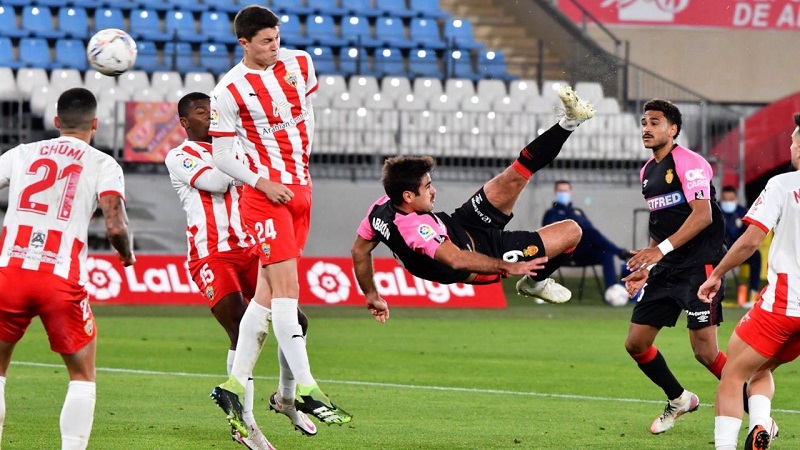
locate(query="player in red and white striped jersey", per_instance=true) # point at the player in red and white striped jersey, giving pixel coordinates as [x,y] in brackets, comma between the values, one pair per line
[54,188]
[222,258]
[769,334]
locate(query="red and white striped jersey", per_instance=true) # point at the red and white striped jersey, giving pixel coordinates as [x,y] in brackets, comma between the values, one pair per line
[212,218]
[269,111]
[778,209]
[54,186]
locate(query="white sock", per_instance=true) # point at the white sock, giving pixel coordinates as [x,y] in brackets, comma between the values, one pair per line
[249,394]
[290,338]
[2,405]
[253,331]
[231,355]
[77,415]
[567,124]
[726,432]
[760,411]
[286,381]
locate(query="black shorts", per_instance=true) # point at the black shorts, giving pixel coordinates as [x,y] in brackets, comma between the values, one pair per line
[670,291]
[486,226]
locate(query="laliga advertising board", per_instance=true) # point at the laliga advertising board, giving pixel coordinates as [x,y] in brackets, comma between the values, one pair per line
[164,280]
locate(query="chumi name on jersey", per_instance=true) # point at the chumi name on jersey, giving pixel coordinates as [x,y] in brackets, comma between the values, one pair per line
[62,148]
[282,126]
[666,200]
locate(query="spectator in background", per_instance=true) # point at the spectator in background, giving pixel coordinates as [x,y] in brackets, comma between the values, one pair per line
[733,213]
[594,248]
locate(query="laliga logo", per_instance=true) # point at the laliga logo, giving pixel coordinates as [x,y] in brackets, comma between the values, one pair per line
[328,282]
[104,280]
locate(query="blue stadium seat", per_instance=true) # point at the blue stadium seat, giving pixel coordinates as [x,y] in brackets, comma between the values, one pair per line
[458,32]
[290,7]
[34,52]
[125,5]
[7,58]
[38,21]
[108,18]
[214,58]
[180,24]
[48,3]
[144,24]
[361,8]
[460,66]
[16,2]
[188,5]
[323,31]
[74,22]
[86,4]
[147,57]
[357,31]
[238,54]
[180,57]
[394,8]
[70,54]
[389,62]
[425,33]
[8,23]
[159,5]
[427,8]
[216,26]
[492,64]
[223,5]
[352,60]
[324,61]
[391,32]
[292,32]
[327,7]
[424,63]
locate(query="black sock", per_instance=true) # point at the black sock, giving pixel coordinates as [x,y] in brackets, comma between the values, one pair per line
[551,266]
[658,371]
[544,149]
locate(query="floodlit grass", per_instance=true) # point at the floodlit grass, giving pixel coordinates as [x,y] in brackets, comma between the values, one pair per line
[528,377]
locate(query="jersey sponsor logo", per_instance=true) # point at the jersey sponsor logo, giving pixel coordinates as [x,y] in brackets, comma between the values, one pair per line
[476,200]
[665,201]
[328,282]
[694,174]
[189,164]
[381,227]
[282,109]
[699,195]
[702,316]
[291,79]
[669,176]
[440,239]
[644,183]
[282,126]
[426,232]
[37,239]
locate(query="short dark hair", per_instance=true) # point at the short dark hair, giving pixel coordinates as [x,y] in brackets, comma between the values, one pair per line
[797,119]
[555,185]
[404,173]
[185,102]
[253,18]
[76,108]
[729,188]
[671,112]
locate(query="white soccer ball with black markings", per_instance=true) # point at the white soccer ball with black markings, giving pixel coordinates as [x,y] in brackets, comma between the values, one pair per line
[111,52]
[616,296]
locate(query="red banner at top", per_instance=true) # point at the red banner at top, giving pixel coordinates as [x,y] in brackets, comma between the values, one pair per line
[739,14]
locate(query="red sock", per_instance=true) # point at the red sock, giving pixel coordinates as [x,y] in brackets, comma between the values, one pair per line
[717,365]
[646,356]
[522,170]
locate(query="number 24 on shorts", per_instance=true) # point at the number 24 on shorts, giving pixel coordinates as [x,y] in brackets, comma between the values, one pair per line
[265,230]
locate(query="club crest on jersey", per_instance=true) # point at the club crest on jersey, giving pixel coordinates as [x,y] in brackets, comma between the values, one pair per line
[37,239]
[670,176]
[291,79]
[189,164]
[426,232]
[88,327]
[265,248]
[530,250]
[210,292]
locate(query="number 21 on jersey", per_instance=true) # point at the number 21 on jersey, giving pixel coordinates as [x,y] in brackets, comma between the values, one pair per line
[265,230]
[47,174]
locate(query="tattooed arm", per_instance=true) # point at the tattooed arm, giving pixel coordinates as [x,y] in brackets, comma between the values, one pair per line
[117,227]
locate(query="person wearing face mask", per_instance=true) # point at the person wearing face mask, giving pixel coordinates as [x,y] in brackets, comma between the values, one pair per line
[733,213]
[594,247]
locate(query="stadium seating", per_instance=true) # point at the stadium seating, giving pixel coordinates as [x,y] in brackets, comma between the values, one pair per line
[7,58]
[292,31]
[427,88]
[133,80]
[34,52]
[167,81]
[322,30]
[38,21]
[396,8]
[70,53]
[324,61]
[214,58]
[199,82]
[326,7]
[424,63]
[74,22]
[461,65]
[216,27]
[96,81]
[290,7]
[361,87]
[8,91]
[181,24]
[351,61]
[357,31]
[158,5]
[29,79]
[425,33]
[147,57]
[394,88]
[8,23]
[459,89]
[223,5]
[190,5]
[388,62]
[361,8]
[458,33]
[523,89]
[107,17]
[492,64]
[179,57]
[427,8]
[391,33]
[144,24]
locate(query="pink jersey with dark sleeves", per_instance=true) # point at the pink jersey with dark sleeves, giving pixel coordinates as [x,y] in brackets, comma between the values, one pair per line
[54,187]
[423,233]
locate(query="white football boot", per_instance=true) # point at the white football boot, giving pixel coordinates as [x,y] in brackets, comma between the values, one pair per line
[547,290]
[576,110]
[255,439]
[686,403]
[300,421]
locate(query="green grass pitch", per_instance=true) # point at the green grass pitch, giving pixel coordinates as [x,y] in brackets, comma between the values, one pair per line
[528,377]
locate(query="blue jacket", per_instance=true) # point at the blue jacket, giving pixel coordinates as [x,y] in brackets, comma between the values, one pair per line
[593,244]
[734,227]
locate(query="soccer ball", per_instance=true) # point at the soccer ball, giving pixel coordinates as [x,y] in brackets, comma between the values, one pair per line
[616,295]
[111,51]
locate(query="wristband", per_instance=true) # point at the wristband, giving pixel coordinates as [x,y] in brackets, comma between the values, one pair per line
[665,246]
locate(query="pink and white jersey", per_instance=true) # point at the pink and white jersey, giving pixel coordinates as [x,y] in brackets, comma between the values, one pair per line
[54,186]
[212,218]
[778,208]
[269,111]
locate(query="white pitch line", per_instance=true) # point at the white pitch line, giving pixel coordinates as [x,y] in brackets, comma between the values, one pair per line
[378,384]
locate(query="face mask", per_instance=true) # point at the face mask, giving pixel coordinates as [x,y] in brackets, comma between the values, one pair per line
[563,198]
[728,207]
